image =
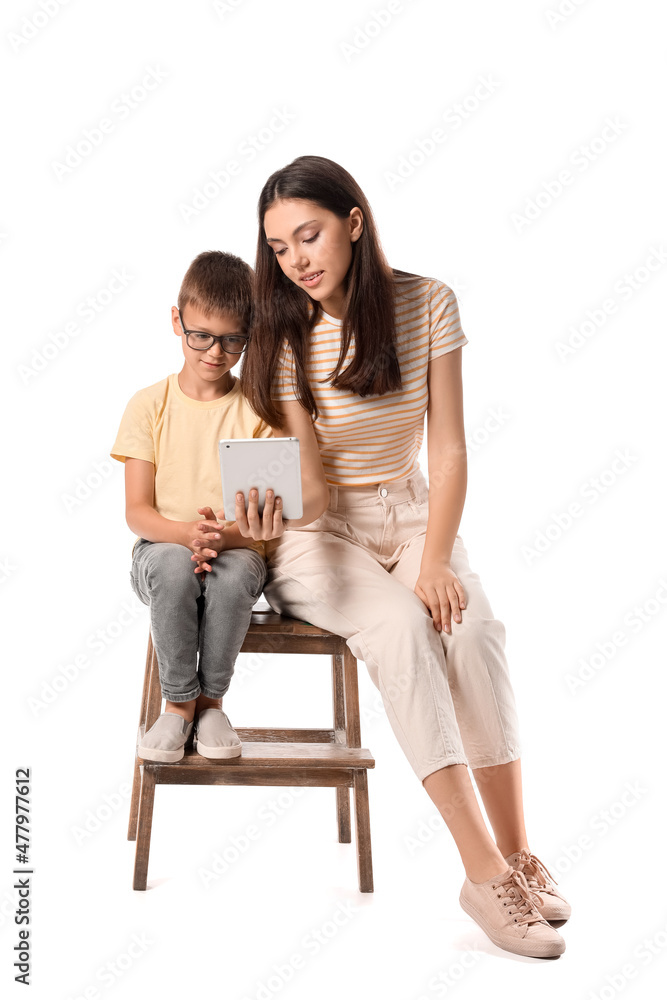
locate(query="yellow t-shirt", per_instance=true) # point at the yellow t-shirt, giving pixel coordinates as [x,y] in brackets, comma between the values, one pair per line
[180,435]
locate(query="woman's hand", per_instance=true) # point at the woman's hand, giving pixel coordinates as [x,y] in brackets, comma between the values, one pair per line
[440,589]
[251,525]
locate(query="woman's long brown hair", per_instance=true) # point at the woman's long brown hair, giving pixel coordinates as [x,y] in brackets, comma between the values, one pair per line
[281,309]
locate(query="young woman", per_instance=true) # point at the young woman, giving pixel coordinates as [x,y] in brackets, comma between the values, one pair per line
[348,355]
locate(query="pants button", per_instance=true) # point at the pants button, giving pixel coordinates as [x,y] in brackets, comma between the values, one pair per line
[383,492]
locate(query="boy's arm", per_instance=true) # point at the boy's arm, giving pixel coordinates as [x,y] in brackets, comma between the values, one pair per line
[140,514]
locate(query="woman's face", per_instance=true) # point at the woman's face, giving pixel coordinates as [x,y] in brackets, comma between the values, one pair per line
[313,248]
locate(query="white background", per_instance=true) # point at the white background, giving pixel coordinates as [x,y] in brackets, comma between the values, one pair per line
[365,96]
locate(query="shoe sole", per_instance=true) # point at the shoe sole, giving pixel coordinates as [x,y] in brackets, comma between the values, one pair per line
[528,951]
[161,756]
[556,920]
[219,753]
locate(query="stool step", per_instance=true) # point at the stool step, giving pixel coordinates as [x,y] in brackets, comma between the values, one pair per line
[281,754]
[282,735]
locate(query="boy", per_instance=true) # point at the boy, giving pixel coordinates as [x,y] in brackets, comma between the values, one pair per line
[200,578]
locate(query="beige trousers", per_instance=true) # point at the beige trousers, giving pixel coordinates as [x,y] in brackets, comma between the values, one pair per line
[448,696]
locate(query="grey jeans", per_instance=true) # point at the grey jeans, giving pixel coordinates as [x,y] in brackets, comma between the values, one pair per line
[209,612]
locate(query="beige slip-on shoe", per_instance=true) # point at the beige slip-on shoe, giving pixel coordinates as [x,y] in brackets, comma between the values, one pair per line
[504,907]
[215,736]
[166,739]
[553,906]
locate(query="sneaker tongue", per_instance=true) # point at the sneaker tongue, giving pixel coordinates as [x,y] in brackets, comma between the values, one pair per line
[522,902]
[519,890]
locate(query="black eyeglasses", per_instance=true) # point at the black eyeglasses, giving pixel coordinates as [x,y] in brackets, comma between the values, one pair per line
[231,343]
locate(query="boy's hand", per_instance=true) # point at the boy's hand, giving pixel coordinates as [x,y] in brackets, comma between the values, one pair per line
[251,525]
[209,540]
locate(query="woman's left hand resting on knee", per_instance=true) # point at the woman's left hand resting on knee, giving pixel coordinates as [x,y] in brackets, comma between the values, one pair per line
[440,589]
[215,537]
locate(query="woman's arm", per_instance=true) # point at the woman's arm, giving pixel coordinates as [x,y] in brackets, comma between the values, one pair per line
[297,422]
[447,455]
[438,586]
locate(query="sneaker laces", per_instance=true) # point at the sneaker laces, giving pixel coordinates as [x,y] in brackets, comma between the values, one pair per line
[536,872]
[521,896]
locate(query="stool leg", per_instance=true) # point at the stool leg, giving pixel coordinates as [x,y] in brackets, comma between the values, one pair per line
[134,801]
[343,814]
[361,809]
[363,825]
[342,791]
[144,828]
[154,698]
[136,780]
[352,723]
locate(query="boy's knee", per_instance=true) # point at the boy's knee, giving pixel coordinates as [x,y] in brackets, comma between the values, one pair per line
[170,562]
[237,581]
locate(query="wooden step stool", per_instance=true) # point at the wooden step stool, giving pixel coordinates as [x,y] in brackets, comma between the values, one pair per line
[316,757]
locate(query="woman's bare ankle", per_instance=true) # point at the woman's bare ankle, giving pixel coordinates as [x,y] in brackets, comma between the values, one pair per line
[482,869]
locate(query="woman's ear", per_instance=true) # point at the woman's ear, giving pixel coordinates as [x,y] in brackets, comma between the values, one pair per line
[356,224]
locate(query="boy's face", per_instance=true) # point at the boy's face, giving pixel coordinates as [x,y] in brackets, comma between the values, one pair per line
[213,364]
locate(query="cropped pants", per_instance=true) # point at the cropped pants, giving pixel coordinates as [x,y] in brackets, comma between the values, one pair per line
[448,696]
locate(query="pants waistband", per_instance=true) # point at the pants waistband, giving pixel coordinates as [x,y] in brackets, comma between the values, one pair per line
[389,492]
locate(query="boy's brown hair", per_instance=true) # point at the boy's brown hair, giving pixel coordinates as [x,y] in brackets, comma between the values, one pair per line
[219,283]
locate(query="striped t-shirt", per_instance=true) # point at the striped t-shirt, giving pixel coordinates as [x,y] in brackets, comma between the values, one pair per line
[372,439]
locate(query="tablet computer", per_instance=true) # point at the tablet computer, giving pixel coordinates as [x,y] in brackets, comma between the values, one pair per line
[267,463]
